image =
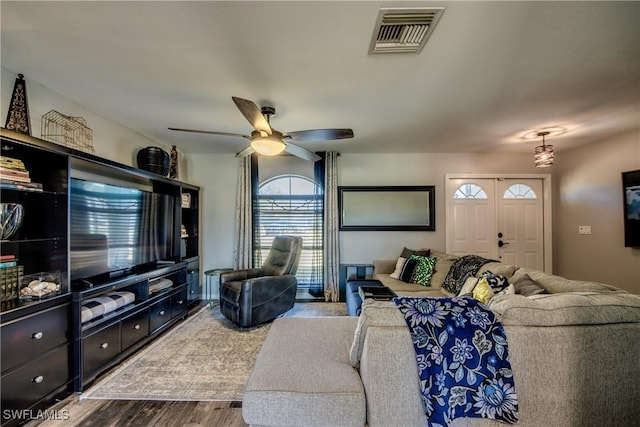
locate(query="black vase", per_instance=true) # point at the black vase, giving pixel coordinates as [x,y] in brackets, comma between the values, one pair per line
[154,159]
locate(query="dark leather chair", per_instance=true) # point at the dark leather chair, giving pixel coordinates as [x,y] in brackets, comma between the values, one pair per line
[258,295]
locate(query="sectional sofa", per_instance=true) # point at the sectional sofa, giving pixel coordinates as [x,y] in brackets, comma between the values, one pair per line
[574,353]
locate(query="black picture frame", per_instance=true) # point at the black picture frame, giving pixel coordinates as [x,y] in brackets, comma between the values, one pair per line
[631,201]
[387,208]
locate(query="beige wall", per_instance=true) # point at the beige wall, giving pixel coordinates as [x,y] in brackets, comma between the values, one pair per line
[110,140]
[588,191]
[413,169]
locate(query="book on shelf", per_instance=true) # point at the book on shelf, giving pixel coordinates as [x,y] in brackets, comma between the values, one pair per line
[7,257]
[13,184]
[7,264]
[9,282]
[11,163]
[15,177]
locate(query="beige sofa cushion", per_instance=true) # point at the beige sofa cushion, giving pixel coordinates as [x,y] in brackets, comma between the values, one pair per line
[498,269]
[374,313]
[302,376]
[442,267]
[571,308]
[557,284]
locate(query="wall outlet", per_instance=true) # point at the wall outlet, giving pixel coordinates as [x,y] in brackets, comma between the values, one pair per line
[584,229]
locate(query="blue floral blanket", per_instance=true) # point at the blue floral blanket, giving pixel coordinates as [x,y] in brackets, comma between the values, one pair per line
[463,360]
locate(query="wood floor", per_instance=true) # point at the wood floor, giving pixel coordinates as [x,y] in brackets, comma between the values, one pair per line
[142,413]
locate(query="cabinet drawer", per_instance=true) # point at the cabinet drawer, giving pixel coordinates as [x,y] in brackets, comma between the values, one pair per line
[33,381]
[135,328]
[159,313]
[179,303]
[100,348]
[31,336]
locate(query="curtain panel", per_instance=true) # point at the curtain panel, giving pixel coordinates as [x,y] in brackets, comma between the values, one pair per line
[331,249]
[243,254]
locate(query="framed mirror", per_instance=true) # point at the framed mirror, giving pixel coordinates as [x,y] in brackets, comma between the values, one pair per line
[394,208]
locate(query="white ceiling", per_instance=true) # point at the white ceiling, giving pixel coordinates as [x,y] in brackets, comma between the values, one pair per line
[490,72]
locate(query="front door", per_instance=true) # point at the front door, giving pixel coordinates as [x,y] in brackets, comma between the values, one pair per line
[497,218]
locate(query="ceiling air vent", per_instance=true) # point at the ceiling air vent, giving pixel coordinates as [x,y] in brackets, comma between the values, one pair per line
[404,29]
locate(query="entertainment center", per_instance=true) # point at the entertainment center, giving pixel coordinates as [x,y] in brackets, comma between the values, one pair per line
[105,258]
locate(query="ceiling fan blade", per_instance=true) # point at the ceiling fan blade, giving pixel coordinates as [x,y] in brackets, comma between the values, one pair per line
[211,132]
[303,153]
[319,134]
[252,113]
[245,152]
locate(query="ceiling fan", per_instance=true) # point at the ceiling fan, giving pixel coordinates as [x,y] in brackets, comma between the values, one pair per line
[269,141]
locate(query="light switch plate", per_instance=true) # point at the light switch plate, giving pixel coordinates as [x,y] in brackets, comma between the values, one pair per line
[584,229]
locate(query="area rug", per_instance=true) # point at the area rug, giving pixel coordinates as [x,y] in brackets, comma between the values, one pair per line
[205,358]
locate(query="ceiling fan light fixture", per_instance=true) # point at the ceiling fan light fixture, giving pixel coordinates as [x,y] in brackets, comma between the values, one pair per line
[267,145]
[544,153]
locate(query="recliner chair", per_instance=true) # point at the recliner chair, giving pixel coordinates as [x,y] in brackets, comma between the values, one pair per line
[258,295]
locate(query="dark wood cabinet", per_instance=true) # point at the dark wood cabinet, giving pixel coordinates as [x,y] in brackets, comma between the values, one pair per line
[34,329]
[30,336]
[25,386]
[160,313]
[190,240]
[134,328]
[46,350]
[99,348]
[103,342]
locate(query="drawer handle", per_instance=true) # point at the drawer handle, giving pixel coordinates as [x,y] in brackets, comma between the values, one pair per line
[104,345]
[37,336]
[180,302]
[161,313]
[136,327]
[38,379]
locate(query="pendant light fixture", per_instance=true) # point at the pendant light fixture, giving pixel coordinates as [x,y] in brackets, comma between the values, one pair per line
[544,153]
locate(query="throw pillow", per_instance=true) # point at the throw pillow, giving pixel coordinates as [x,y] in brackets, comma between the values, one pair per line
[398,269]
[409,267]
[469,285]
[424,270]
[406,253]
[483,292]
[497,283]
[527,286]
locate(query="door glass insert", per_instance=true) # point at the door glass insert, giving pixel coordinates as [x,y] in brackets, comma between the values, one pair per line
[519,191]
[470,191]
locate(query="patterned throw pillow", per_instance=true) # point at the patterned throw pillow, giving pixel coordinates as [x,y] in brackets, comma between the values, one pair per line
[424,270]
[398,269]
[497,283]
[409,267]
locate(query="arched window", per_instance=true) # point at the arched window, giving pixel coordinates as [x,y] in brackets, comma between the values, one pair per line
[519,191]
[470,191]
[292,204]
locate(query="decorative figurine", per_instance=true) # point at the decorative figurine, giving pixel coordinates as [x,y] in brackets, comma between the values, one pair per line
[173,166]
[18,114]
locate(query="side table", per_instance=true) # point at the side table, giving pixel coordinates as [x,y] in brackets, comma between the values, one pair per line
[211,289]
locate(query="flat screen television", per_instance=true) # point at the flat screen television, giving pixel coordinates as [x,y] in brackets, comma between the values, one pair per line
[114,229]
[631,190]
